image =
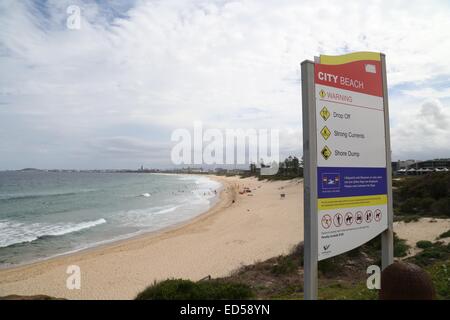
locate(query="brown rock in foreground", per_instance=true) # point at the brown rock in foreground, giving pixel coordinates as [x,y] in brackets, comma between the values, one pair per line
[406,281]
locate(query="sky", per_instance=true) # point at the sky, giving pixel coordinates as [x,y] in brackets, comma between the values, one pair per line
[110,94]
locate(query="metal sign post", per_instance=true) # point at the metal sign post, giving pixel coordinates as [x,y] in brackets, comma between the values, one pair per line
[310,261]
[347,160]
[387,237]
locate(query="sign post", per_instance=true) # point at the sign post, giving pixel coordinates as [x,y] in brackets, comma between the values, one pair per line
[387,237]
[347,167]
[310,261]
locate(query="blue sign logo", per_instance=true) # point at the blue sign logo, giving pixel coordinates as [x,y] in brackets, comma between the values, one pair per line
[331,180]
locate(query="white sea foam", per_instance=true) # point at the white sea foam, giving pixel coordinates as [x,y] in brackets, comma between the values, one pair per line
[166,210]
[12,232]
[149,217]
[166,204]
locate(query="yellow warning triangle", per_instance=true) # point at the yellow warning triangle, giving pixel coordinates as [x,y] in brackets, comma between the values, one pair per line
[324,113]
[325,132]
[326,152]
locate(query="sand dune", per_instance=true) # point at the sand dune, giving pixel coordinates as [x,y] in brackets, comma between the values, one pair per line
[423,229]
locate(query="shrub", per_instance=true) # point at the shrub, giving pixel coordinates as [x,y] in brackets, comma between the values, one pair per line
[426,203]
[178,289]
[400,247]
[423,244]
[426,195]
[446,234]
[437,252]
[286,265]
[439,189]
[441,207]
[373,247]
[435,185]
[410,205]
[440,274]
[329,266]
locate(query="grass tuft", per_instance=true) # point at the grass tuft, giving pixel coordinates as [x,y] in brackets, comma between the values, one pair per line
[424,244]
[179,289]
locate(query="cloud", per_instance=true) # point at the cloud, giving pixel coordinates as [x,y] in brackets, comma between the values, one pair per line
[131,147]
[165,64]
[423,133]
[428,92]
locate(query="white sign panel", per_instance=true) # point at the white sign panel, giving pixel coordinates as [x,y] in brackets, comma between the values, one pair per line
[351,153]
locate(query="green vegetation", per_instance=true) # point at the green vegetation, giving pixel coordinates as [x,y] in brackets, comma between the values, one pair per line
[340,278]
[424,244]
[425,195]
[288,169]
[347,291]
[335,290]
[371,250]
[373,247]
[446,234]
[440,275]
[407,218]
[435,259]
[437,252]
[400,247]
[178,289]
[286,265]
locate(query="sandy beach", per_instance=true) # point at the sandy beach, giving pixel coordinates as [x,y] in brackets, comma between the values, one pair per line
[240,229]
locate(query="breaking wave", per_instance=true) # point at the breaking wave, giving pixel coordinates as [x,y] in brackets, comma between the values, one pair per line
[12,232]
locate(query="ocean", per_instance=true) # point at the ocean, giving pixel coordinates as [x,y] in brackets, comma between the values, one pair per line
[45,214]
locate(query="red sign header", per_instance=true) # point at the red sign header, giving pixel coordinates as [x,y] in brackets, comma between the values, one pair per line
[362,76]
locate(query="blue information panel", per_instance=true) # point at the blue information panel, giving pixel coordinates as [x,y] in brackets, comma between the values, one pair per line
[350,182]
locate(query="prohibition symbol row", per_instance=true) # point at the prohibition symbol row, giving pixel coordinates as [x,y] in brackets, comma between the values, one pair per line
[350,218]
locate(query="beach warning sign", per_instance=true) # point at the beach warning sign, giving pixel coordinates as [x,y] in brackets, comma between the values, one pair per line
[347,162]
[347,165]
[353,174]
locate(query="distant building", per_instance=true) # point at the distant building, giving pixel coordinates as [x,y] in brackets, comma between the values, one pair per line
[411,167]
[402,164]
[431,164]
[189,170]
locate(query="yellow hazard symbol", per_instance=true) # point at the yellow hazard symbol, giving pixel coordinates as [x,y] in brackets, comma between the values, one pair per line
[324,113]
[326,152]
[322,93]
[325,132]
